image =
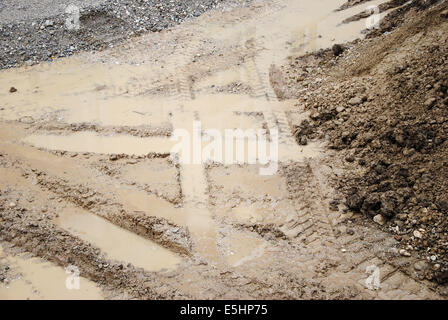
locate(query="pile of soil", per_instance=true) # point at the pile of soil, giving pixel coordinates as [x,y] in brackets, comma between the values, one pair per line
[382,103]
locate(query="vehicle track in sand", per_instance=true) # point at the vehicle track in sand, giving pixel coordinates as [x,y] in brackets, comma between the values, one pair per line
[85,142]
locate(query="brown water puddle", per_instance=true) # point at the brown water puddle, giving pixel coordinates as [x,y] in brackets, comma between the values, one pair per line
[72,91]
[117,243]
[123,144]
[299,27]
[92,142]
[155,175]
[242,248]
[37,280]
[246,182]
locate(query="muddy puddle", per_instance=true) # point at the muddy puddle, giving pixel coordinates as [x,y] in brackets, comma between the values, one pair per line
[36,279]
[246,182]
[242,248]
[277,212]
[117,243]
[156,176]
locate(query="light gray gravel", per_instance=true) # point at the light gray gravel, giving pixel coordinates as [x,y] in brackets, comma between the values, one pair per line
[35,30]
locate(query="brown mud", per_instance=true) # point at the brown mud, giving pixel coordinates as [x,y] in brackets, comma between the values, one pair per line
[87,179]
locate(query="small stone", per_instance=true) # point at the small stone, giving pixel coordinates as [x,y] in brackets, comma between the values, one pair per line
[48,23]
[12,90]
[315,115]
[350,232]
[26,119]
[420,265]
[12,204]
[113,157]
[340,109]
[408,152]
[355,101]
[404,253]
[350,158]
[436,267]
[343,250]
[379,219]
[444,14]
[433,258]
[430,102]
[417,234]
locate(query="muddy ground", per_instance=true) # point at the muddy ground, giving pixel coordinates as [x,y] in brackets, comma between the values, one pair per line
[87,181]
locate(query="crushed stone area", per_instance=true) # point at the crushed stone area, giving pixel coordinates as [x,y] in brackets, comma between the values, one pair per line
[34,32]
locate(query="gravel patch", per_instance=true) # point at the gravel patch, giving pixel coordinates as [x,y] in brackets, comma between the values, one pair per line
[12,11]
[35,31]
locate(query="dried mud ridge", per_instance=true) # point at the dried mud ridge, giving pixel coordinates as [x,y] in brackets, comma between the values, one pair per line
[383,106]
[231,232]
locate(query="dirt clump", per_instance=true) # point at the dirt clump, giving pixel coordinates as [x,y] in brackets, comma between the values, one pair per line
[382,105]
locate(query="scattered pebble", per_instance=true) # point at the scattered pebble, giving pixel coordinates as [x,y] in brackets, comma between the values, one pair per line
[355,101]
[404,253]
[379,219]
[420,265]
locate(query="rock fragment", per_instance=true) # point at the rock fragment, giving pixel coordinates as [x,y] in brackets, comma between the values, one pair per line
[379,219]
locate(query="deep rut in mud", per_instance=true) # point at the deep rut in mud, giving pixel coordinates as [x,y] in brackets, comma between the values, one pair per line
[87,179]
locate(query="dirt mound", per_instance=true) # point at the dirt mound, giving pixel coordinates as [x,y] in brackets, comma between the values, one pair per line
[383,105]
